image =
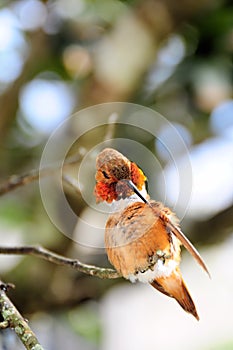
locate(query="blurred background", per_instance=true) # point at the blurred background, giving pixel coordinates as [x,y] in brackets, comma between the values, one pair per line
[58,57]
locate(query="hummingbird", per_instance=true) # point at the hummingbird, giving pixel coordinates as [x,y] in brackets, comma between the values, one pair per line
[142,236]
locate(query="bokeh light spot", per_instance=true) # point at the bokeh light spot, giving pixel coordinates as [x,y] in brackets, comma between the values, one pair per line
[31,13]
[46,103]
[221,119]
[13,60]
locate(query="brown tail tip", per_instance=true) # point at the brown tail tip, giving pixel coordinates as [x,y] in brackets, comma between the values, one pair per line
[174,287]
[187,303]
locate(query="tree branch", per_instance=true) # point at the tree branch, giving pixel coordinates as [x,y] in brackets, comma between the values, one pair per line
[46,254]
[20,180]
[16,181]
[13,319]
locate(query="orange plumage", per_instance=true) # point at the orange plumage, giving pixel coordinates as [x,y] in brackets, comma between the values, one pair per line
[142,238]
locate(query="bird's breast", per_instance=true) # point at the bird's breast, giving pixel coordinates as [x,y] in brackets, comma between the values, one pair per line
[133,238]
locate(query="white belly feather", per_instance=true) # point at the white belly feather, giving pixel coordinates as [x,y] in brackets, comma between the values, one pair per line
[159,270]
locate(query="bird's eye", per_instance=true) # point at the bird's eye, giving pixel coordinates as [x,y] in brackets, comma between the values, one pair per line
[105,175]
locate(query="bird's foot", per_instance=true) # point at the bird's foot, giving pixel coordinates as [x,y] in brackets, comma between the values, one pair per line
[159,255]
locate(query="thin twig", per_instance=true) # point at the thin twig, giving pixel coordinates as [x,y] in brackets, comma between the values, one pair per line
[13,319]
[71,182]
[16,181]
[111,126]
[46,254]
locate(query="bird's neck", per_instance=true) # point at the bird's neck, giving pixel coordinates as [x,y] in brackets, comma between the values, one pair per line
[123,203]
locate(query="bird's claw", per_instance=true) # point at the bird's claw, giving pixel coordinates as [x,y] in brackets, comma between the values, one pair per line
[159,255]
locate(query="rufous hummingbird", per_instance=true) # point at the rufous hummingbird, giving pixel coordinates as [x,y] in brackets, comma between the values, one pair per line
[142,237]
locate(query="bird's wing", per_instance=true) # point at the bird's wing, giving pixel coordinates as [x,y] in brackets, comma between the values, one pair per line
[184,240]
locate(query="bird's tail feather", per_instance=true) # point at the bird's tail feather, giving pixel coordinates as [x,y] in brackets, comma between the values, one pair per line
[174,286]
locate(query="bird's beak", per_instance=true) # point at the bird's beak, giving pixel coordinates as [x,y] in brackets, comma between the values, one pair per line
[136,191]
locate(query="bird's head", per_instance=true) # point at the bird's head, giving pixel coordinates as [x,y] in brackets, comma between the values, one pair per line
[116,177]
